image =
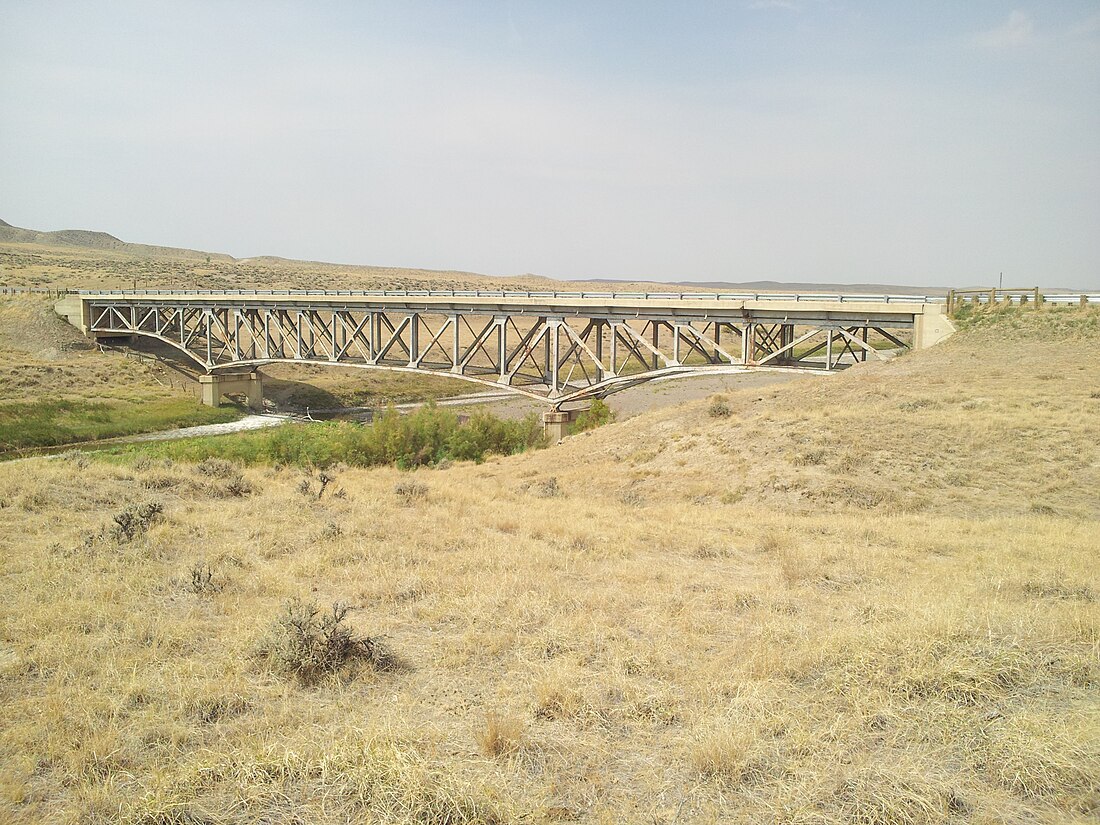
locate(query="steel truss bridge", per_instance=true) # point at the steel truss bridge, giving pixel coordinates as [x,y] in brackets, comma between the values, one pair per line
[553,347]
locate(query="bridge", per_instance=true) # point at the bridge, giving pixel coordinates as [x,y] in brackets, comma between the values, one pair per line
[555,347]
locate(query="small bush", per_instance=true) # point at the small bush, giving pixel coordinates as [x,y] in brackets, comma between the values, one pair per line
[719,407]
[595,416]
[547,488]
[135,520]
[202,580]
[305,643]
[217,468]
[410,492]
[238,486]
[77,457]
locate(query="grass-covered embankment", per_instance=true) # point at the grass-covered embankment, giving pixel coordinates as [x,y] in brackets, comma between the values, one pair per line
[51,422]
[430,435]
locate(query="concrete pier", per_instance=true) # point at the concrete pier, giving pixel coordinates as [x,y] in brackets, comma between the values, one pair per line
[248,384]
[555,423]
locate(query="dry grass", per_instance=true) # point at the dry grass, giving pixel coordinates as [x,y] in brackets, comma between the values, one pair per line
[24,264]
[787,657]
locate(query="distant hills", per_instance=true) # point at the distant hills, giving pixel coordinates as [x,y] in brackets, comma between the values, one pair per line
[88,239]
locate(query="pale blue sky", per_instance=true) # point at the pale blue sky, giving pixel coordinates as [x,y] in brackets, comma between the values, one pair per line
[932,143]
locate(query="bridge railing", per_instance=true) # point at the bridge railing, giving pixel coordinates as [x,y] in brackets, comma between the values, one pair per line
[534,294]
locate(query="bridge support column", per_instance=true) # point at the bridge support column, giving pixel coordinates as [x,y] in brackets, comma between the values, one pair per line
[249,384]
[786,337]
[555,423]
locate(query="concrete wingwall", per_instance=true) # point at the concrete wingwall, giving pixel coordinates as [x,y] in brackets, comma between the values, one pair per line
[931,326]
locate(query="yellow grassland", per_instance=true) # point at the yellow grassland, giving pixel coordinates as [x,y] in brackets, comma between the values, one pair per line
[869,598]
[23,264]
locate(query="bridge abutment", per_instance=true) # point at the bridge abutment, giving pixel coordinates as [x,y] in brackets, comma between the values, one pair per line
[248,384]
[931,327]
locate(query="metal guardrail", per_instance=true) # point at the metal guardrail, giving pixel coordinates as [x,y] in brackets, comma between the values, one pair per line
[506,294]
[1078,298]
[1030,295]
[983,296]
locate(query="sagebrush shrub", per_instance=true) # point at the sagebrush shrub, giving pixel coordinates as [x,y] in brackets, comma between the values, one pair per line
[719,407]
[238,486]
[309,644]
[77,457]
[547,488]
[202,580]
[136,519]
[217,468]
[410,492]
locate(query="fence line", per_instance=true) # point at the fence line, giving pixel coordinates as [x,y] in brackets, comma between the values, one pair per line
[1033,295]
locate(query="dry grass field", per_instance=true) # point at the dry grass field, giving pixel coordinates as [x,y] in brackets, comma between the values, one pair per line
[869,598]
[75,267]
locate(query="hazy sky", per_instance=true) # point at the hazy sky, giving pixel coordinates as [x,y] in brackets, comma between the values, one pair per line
[822,140]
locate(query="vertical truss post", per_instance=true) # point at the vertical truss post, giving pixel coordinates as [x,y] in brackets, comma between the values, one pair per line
[655,335]
[374,340]
[209,346]
[598,326]
[337,323]
[786,337]
[455,351]
[414,339]
[829,349]
[546,350]
[502,348]
[554,340]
